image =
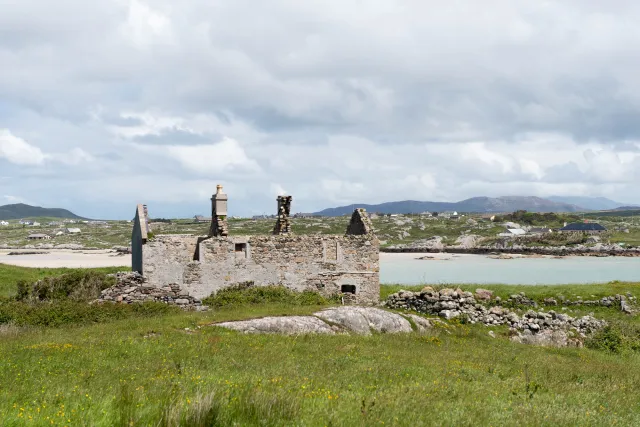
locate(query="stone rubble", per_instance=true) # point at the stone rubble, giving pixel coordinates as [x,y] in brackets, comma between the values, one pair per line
[131,288]
[449,304]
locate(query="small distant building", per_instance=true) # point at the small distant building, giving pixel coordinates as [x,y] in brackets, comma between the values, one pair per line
[60,233]
[35,224]
[4,223]
[540,230]
[54,223]
[200,218]
[450,215]
[513,232]
[38,237]
[583,227]
[73,231]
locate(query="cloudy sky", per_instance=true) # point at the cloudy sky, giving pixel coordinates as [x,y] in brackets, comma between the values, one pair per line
[109,103]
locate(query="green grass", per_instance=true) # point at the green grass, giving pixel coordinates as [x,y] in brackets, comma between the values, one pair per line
[166,367]
[151,371]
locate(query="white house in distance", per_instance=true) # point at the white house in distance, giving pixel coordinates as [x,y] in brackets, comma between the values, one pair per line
[5,223]
[39,237]
[73,231]
[513,232]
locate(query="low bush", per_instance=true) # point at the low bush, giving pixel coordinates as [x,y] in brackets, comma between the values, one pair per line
[76,286]
[247,294]
[72,312]
[617,337]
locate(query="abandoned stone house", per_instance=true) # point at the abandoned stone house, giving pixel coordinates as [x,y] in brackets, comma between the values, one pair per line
[329,264]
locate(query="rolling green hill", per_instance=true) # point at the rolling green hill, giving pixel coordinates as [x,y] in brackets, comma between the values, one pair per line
[20,210]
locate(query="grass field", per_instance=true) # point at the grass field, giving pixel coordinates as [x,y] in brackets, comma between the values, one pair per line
[173,368]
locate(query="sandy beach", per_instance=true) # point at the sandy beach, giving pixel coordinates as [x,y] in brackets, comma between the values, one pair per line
[57,258]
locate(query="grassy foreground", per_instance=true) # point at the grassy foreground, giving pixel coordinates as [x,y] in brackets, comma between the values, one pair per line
[173,368]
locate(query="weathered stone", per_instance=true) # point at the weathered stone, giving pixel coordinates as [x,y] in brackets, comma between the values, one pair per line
[291,325]
[422,324]
[483,294]
[548,338]
[362,320]
[449,314]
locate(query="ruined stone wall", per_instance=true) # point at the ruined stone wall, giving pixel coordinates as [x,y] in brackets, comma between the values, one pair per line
[320,263]
[139,235]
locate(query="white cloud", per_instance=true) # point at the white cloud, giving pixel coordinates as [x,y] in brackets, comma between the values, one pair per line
[278,190]
[14,199]
[18,151]
[212,159]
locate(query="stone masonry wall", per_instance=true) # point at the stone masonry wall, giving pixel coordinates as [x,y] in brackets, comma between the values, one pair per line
[327,264]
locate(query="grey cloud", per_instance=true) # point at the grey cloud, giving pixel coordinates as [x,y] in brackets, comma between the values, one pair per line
[177,137]
[327,93]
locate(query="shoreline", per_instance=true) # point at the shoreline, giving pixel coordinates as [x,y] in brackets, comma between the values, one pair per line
[551,251]
[64,258]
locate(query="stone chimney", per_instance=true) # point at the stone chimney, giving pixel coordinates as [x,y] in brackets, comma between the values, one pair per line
[219,225]
[283,226]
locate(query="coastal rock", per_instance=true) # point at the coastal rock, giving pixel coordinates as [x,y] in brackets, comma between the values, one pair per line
[290,325]
[358,320]
[362,320]
[422,324]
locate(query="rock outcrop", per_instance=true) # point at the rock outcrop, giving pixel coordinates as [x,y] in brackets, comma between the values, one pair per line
[289,325]
[348,319]
[362,320]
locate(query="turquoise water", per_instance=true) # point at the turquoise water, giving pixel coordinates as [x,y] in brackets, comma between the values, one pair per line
[406,269]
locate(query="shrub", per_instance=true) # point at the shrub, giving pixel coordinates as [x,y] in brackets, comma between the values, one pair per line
[608,339]
[72,312]
[77,286]
[617,337]
[247,294]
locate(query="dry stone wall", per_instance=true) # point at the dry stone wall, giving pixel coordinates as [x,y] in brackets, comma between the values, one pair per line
[450,303]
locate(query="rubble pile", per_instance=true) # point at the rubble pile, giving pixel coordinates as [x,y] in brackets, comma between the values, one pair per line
[132,287]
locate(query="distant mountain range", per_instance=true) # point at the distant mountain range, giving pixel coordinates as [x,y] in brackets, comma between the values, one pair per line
[20,210]
[591,203]
[483,205]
